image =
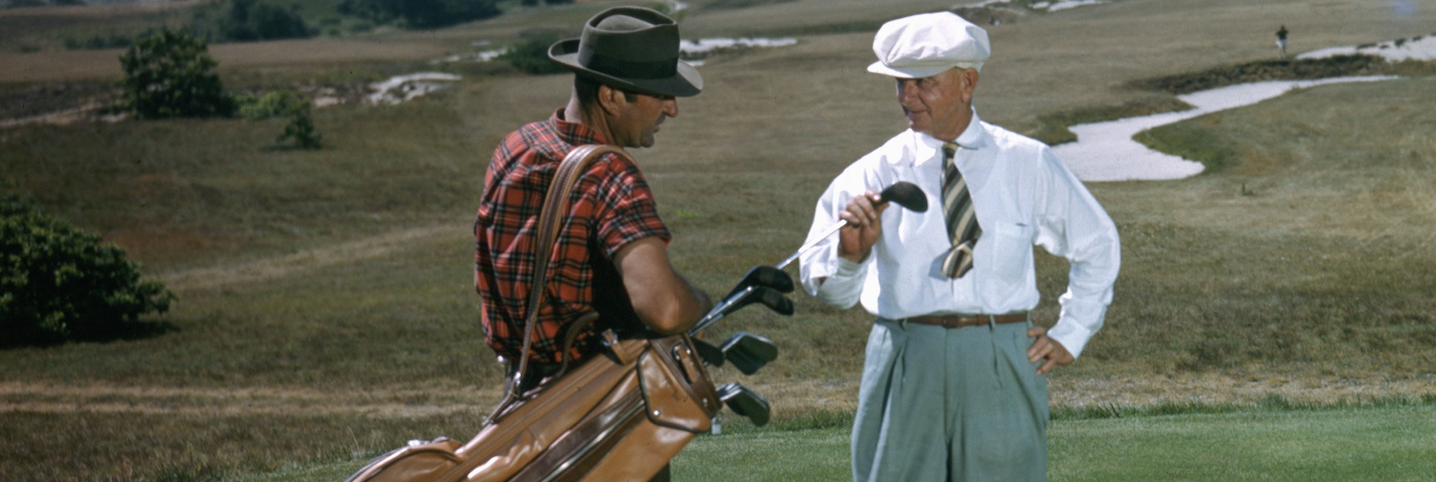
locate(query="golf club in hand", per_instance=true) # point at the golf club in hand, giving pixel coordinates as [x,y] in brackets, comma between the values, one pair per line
[902,193]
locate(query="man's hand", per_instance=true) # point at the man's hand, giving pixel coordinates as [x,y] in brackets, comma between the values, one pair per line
[1045,348]
[856,239]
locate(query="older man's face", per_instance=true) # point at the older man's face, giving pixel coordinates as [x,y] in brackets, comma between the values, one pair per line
[941,105]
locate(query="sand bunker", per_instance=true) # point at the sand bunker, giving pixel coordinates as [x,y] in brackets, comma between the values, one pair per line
[694,51]
[408,87]
[1414,48]
[1040,6]
[1105,151]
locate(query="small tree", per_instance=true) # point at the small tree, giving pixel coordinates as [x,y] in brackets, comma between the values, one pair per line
[58,283]
[170,74]
[289,104]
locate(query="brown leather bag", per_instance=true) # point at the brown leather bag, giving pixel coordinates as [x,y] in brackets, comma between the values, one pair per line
[618,416]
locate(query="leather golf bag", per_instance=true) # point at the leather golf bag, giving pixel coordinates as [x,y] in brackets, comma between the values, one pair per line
[619,416]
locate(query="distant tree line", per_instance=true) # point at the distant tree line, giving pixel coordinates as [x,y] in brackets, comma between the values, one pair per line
[252,20]
[258,20]
[420,14]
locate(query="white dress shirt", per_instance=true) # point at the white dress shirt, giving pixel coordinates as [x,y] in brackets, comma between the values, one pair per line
[1023,195]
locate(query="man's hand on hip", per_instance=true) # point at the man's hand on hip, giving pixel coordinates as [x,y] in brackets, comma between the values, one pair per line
[1045,348]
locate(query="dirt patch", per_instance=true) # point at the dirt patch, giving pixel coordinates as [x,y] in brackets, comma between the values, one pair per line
[144,243]
[48,398]
[215,277]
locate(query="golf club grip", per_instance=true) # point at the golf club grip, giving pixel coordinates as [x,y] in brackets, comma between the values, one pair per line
[904,193]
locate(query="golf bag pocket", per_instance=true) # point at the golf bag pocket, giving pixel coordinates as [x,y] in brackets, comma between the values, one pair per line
[619,416]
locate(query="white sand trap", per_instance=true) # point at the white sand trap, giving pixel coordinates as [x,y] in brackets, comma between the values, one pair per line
[1064,5]
[1414,48]
[1105,151]
[408,87]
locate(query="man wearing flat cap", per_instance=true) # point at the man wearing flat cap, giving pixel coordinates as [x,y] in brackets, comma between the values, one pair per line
[611,256]
[953,385]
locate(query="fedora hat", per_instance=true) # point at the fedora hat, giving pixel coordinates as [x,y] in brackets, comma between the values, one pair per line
[630,48]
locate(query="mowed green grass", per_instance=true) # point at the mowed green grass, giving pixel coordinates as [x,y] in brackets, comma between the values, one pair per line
[326,300]
[1394,443]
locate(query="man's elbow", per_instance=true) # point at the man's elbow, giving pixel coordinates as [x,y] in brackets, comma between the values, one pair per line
[669,316]
[669,322]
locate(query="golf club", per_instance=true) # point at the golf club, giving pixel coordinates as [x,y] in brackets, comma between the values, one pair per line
[903,193]
[765,276]
[711,355]
[746,402]
[749,352]
[753,294]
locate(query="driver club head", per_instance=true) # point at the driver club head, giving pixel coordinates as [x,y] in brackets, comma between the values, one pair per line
[907,195]
[746,402]
[749,352]
[765,276]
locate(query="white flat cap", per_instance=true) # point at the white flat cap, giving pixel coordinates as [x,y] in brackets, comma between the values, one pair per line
[927,44]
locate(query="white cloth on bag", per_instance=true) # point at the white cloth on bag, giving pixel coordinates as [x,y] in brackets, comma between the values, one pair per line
[1023,195]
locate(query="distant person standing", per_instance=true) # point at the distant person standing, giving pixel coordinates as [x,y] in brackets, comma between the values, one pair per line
[1281,43]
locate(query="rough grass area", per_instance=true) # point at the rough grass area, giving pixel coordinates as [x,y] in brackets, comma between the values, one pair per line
[326,305]
[1337,66]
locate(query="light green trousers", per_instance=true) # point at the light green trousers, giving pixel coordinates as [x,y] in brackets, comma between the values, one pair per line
[939,404]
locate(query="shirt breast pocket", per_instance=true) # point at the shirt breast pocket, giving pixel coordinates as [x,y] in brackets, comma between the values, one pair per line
[1009,254]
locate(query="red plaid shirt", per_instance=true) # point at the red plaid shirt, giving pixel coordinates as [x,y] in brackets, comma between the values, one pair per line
[611,206]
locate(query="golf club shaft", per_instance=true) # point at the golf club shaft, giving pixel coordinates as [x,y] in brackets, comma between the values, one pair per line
[715,314]
[794,257]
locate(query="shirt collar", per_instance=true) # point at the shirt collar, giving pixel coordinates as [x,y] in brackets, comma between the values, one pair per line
[929,147]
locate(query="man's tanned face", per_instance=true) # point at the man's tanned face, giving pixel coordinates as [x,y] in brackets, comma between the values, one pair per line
[637,123]
[940,105]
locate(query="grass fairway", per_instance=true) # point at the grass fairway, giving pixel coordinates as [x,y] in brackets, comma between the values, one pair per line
[1389,443]
[326,306]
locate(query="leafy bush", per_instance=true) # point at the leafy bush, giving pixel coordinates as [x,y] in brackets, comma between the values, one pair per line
[58,283]
[170,74]
[531,55]
[289,104]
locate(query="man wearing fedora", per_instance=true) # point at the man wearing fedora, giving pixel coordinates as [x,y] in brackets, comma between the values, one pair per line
[953,385]
[613,249]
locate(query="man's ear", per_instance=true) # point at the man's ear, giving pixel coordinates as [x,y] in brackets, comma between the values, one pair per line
[970,77]
[611,100]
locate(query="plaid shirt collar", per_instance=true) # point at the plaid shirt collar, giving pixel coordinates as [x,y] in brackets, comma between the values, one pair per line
[565,136]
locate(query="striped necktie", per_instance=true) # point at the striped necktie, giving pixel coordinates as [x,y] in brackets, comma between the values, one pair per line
[962,225]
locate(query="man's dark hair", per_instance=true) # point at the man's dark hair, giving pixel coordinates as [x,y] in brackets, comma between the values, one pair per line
[586,89]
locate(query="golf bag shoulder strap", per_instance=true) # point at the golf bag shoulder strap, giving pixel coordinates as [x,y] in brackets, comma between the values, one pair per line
[555,207]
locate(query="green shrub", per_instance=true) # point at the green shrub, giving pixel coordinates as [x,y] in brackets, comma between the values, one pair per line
[531,55]
[289,104]
[170,74]
[59,283]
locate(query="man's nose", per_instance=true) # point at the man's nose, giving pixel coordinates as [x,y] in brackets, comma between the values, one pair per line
[670,107]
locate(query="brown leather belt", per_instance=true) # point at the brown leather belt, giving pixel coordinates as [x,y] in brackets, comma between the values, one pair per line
[959,321]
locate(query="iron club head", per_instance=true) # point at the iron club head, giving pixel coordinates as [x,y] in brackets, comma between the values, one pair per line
[749,352]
